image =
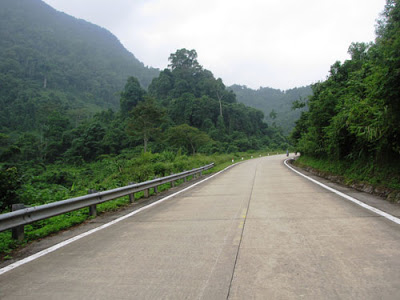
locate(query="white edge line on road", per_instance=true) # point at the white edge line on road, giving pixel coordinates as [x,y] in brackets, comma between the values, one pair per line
[362,204]
[78,237]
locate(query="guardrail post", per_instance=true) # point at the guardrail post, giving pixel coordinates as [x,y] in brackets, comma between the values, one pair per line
[185,178]
[18,232]
[173,181]
[156,187]
[92,208]
[32,214]
[132,196]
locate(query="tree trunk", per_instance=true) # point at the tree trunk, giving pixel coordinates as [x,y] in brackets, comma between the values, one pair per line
[145,140]
[220,103]
[193,149]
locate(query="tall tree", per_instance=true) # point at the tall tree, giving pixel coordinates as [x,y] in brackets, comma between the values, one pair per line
[131,96]
[146,119]
[187,137]
[10,182]
[184,59]
[355,113]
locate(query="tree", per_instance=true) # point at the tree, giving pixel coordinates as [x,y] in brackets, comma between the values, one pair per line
[161,86]
[273,114]
[131,96]
[192,95]
[9,184]
[387,72]
[53,132]
[268,99]
[355,112]
[187,137]
[215,88]
[145,120]
[184,59]
[185,70]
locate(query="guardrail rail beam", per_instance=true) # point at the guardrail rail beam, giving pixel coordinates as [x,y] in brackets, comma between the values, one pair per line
[22,215]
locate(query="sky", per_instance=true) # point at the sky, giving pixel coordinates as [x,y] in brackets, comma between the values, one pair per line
[258,43]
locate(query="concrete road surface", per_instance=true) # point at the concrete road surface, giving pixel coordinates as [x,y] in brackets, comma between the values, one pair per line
[256,231]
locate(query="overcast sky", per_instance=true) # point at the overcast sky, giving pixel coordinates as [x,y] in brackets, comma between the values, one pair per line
[270,43]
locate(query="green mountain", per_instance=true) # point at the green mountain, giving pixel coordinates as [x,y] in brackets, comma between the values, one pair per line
[63,79]
[276,104]
[50,61]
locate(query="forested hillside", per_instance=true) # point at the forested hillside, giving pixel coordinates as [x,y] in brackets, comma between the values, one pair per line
[354,116]
[185,111]
[70,93]
[276,104]
[185,108]
[69,99]
[50,61]
[194,97]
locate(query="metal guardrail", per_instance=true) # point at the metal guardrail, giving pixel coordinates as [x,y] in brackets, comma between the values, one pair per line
[29,215]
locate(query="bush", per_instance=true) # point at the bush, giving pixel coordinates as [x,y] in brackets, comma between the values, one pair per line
[9,185]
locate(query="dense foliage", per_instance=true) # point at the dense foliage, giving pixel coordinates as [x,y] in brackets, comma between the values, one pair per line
[62,82]
[50,61]
[147,120]
[355,114]
[194,97]
[275,104]
[195,113]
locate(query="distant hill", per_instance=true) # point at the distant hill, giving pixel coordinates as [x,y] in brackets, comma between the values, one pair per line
[52,61]
[276,101]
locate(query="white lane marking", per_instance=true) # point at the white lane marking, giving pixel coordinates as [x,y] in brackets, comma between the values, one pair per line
[78,237]
[362,204]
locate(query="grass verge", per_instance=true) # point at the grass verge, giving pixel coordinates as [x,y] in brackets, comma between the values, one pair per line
[381,179]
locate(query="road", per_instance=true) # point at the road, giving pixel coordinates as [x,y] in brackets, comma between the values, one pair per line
[256,231]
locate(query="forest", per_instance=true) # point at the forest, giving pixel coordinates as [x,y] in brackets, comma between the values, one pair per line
[353,122]
[80,112]
[275,104]
[184,108]
[73,98]
[50,61]
[185,119]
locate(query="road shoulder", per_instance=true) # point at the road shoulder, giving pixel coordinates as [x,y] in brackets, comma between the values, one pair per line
[367,198]
[41,244]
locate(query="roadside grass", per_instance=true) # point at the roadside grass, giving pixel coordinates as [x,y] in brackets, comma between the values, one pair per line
[58,182]
[367,172]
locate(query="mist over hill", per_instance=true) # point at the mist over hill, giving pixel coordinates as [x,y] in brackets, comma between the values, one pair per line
[52,61]
[276,104]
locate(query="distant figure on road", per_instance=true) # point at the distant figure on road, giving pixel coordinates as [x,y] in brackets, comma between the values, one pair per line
[287,153]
